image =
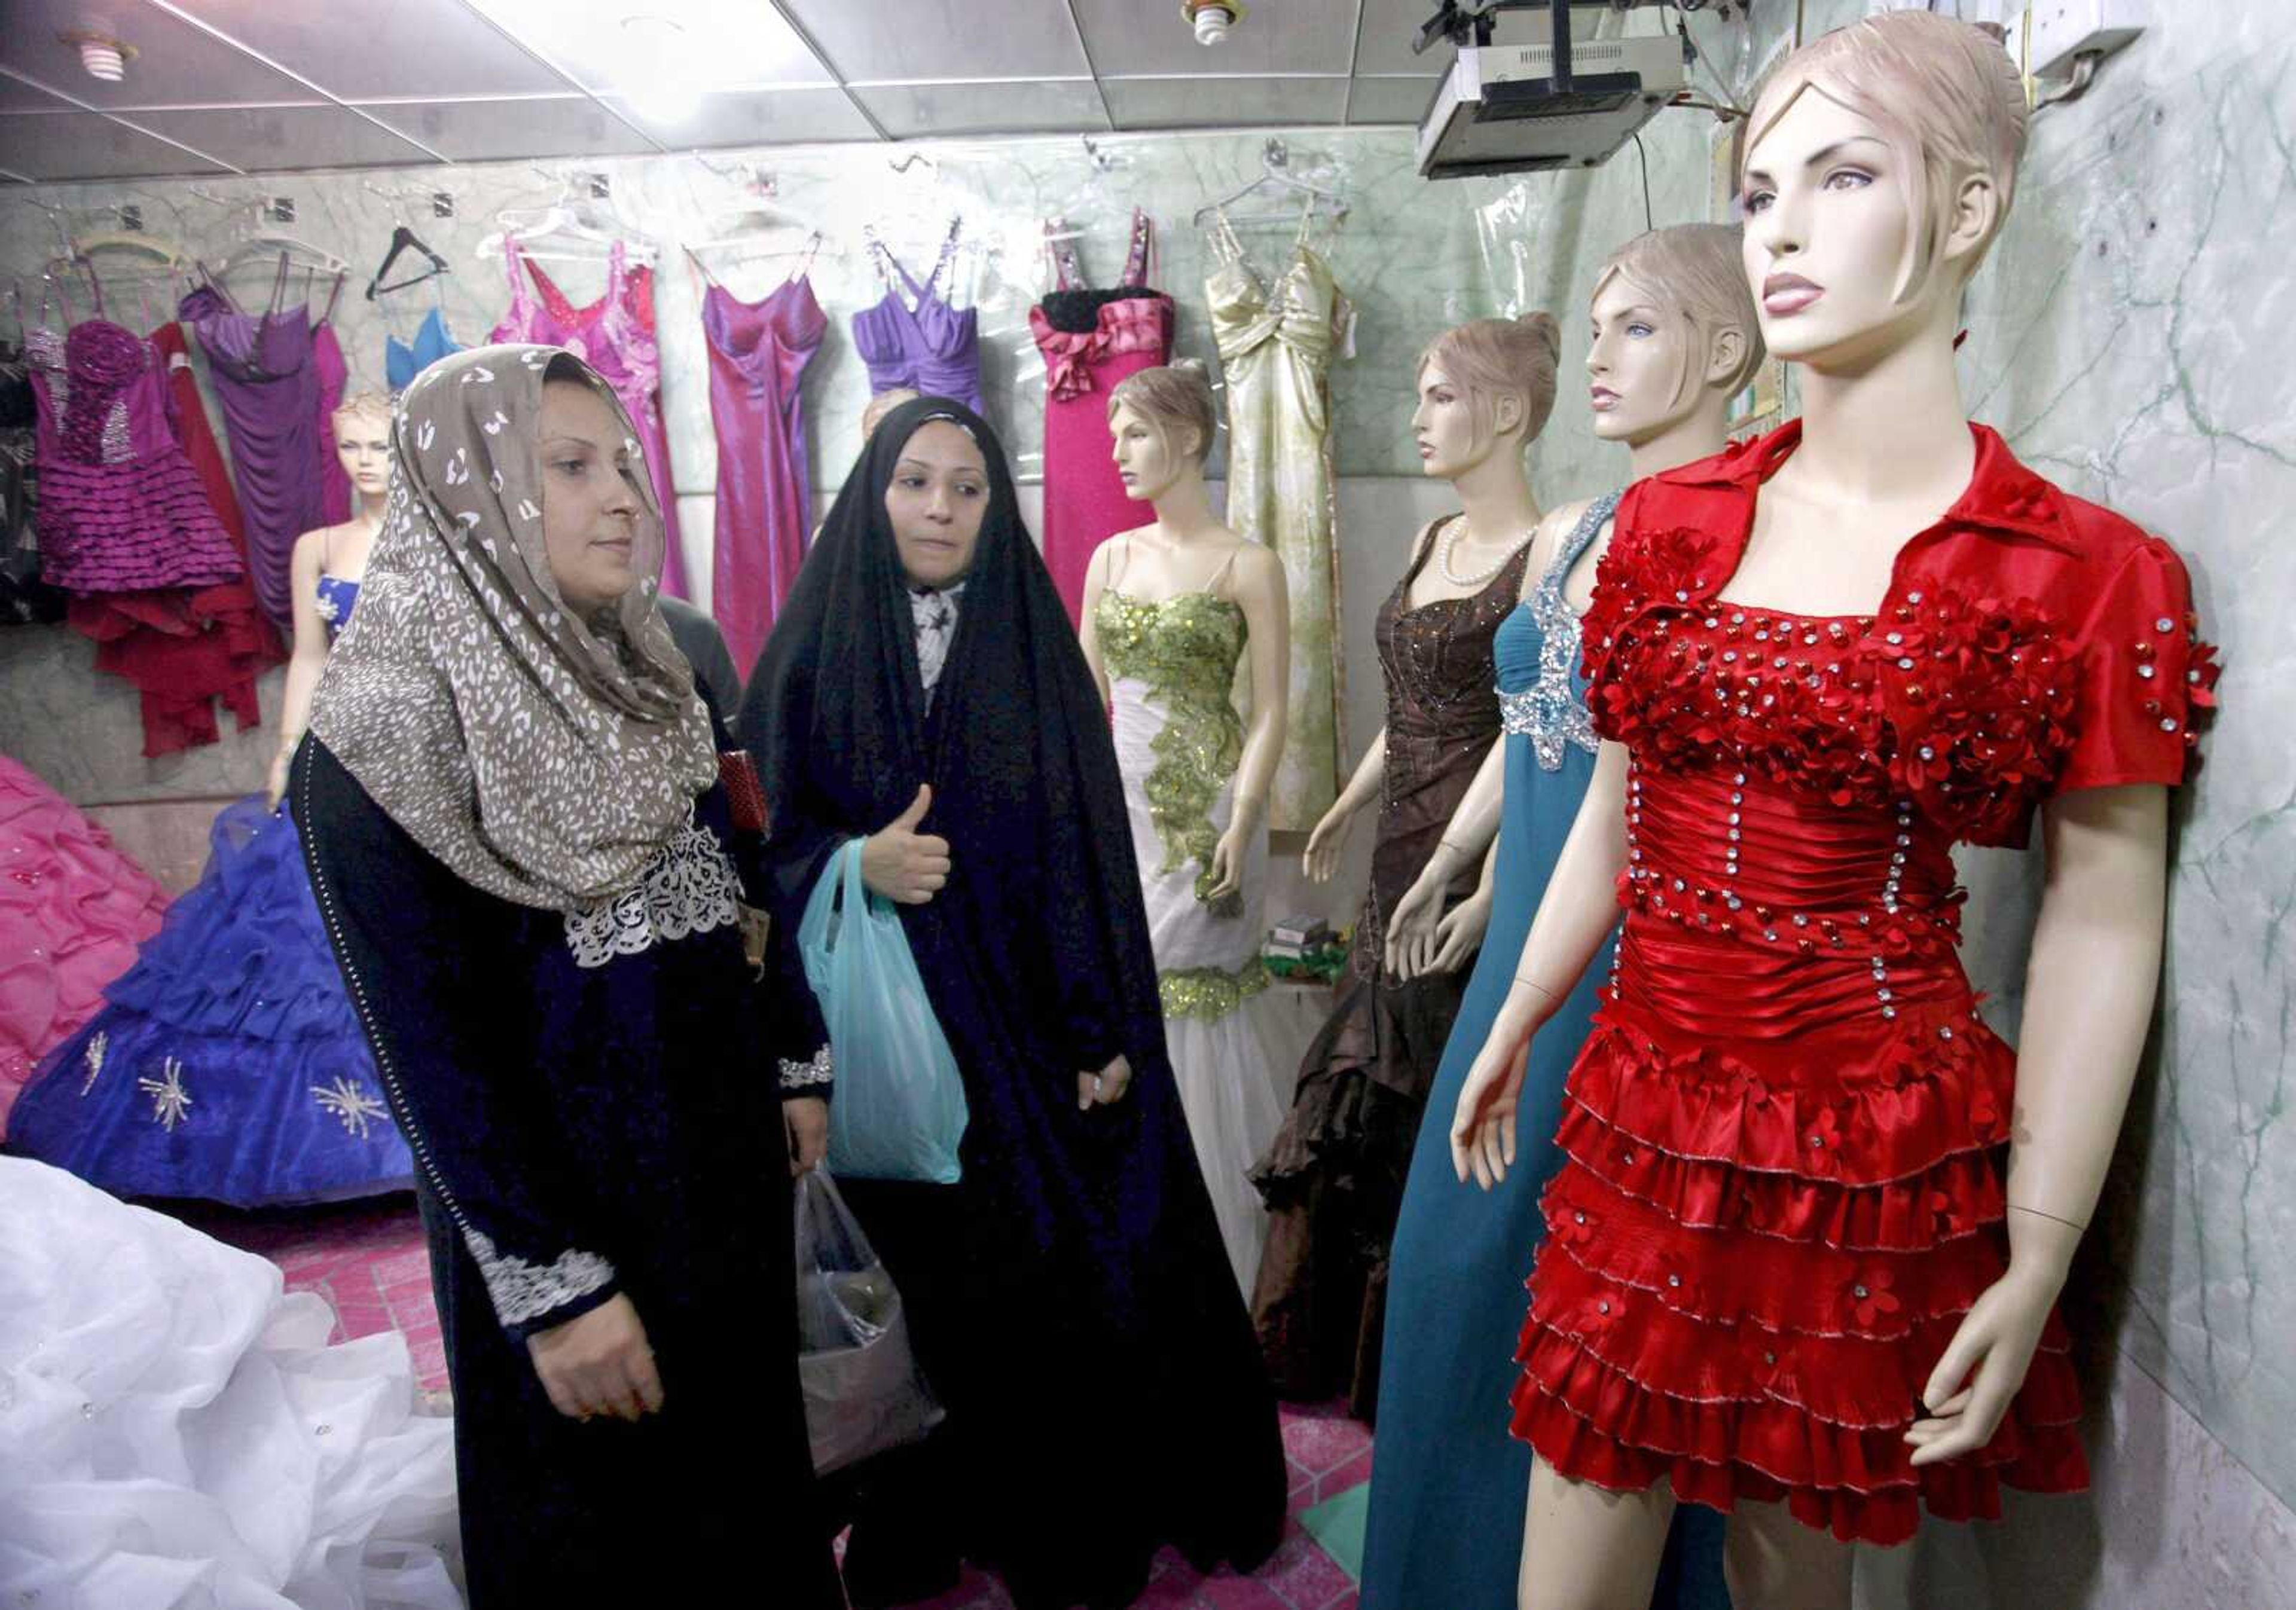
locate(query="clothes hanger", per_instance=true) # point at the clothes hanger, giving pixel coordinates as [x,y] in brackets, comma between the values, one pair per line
[266,245]
[1277,179]
[570,223]
[403,238]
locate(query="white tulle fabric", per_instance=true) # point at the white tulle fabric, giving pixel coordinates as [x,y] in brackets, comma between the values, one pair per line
[1222,1063]
[175,1432]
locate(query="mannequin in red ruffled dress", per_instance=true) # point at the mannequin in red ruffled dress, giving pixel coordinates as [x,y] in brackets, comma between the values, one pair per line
[1786,1274]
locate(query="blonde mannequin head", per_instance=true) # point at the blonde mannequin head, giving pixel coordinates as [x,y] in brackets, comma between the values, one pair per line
[1162,421]
[1482,384]
[362,430]
[1673,323]
[1941,95]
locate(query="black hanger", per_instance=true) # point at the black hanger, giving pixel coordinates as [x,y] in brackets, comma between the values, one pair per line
[401,240]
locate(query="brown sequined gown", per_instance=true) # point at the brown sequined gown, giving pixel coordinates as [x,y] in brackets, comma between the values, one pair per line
[1333,1177]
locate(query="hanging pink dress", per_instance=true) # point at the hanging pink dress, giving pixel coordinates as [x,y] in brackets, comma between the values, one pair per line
[614,335]
[1092,339]
[757,355]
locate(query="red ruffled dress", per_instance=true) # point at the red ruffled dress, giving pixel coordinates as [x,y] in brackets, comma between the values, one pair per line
[1787,1133]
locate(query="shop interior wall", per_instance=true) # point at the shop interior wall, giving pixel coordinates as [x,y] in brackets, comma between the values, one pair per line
[2128,337]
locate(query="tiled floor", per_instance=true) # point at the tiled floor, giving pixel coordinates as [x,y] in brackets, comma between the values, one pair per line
[368,1261]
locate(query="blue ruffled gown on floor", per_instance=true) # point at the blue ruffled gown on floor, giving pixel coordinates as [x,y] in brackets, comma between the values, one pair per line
[228,1063]
[1449,1479]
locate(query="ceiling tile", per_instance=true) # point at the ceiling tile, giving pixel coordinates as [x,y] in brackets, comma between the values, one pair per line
[266,139]
[1277,36]
[918,110]
[88,145]
[1391,99]
[1388,27]
[943,39]
[479,131]
[430,48]
[739,46]
[175,64]
[16,95]
[1202,103]
[762,117]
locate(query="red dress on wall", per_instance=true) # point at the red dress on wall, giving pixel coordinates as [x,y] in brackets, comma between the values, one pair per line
[1786,1133]
[1091,340]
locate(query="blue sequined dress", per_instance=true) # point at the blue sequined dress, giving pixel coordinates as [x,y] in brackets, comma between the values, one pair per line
[228,1063]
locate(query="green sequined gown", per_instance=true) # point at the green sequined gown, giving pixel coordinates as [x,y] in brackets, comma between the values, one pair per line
[1171,666]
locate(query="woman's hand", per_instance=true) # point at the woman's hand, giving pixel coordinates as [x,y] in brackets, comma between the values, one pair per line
[598,1364]
[275,784]
[1106,1087]
[1322,857]
[806,1119]
[1482,1126]
[1982,1369]
[903,864]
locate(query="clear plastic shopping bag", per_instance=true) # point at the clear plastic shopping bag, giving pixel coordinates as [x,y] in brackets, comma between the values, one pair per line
[864,1392]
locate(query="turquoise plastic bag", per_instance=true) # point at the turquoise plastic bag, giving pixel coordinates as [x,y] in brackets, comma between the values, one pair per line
[899,1109]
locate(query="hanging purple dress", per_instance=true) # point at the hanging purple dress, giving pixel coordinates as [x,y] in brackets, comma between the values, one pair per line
[264,371]
[121,510]
[757,355]
[926,345]
[614,335]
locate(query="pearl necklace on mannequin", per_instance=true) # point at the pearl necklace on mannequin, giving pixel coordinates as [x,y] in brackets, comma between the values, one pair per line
[1451,542]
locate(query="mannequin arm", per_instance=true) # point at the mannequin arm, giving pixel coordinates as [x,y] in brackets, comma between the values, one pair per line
[2090,985]
[1096,581]
[1322,858]
[304,664]
[1580,908]
[1261,592]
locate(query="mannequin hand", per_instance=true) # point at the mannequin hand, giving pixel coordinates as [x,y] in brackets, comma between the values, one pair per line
[806,1119]
[903,864]
[1459,934]
[274,782]
[1982,1367]
[1322,858]
[1482,1126]
[1106,1087]
[1227,862]
[598,1364]
[1411,927]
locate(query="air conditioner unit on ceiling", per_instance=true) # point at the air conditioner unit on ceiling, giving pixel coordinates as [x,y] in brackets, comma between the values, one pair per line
[1499,110]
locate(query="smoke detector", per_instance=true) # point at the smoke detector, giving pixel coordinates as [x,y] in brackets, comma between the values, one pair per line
[104,57]
[1213,19]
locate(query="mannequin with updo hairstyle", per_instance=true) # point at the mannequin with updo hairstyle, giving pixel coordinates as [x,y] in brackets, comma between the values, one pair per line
[1333,1179]
[1170,611]
[1815,1214]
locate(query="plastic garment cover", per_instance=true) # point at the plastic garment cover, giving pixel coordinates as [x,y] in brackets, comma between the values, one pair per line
[900,1107]
[864,1392]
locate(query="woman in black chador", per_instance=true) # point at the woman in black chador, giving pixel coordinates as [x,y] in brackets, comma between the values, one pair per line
[1069,1297]
[511,811]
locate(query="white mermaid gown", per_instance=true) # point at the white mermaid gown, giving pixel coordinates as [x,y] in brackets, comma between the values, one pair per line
[1178,740]
[175,1432]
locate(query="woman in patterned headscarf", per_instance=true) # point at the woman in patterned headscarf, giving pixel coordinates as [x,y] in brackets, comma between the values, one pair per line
[513,823]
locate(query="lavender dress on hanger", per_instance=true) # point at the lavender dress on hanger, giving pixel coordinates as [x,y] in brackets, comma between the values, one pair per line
[264,371]
[926,345]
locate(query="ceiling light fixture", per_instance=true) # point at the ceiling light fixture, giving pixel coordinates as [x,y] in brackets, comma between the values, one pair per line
[1212,19]
[664,71]
[104,57]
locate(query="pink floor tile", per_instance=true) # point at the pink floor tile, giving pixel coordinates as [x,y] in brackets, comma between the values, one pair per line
[1318,1441]
[1355,1473]
[1241,1593]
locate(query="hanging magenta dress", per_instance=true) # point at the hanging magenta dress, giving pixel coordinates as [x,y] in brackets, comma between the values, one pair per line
[757,355]
[614,335]
[1091,340]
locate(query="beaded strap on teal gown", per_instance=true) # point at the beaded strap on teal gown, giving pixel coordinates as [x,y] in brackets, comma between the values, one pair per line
[1448,1482]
